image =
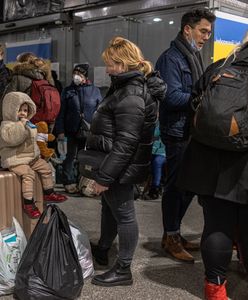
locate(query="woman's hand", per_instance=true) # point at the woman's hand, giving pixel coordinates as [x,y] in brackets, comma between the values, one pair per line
[61,136]
[98,188]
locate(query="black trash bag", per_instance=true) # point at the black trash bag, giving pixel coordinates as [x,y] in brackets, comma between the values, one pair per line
[49,268]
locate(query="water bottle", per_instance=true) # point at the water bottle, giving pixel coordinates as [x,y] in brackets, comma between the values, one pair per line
[62,148]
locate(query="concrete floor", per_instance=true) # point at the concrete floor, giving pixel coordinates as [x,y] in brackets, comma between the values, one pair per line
[156,276]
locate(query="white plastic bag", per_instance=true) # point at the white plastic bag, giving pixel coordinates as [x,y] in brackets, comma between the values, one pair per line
[82,245]
[12,245]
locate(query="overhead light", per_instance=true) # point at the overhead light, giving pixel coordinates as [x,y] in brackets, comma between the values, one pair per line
[157,20]
[171,22]
[80,13]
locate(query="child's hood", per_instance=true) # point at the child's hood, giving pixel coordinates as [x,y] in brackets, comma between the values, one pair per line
[12,103]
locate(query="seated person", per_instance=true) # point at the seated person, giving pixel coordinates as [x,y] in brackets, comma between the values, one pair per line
[20,153]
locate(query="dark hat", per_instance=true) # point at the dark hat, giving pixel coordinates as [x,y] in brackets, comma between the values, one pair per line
[82,68]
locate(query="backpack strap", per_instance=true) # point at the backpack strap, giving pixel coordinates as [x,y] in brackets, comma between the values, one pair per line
[209,77]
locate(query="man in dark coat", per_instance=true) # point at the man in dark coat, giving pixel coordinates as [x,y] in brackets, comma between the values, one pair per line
[180,66]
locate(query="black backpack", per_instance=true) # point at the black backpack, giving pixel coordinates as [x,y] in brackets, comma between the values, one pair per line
[221,116]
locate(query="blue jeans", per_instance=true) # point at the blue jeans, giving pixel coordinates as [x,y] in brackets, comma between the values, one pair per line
[69,174]
[174,201]
[158,162]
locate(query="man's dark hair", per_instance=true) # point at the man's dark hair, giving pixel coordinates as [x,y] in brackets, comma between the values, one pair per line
[193,17]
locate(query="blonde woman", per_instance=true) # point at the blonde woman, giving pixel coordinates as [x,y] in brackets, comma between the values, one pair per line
[219,178]
[123,127]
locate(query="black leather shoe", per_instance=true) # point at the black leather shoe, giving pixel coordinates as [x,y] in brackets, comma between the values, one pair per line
[118,275]
[100,255]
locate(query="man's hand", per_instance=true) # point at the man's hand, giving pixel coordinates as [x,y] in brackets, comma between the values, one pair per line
[98,188]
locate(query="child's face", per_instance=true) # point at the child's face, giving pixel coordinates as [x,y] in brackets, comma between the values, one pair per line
[23,111]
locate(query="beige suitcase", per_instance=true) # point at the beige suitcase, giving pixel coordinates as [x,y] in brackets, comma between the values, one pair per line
[11,201]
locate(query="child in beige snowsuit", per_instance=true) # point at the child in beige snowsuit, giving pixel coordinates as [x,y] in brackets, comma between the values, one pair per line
[20,153]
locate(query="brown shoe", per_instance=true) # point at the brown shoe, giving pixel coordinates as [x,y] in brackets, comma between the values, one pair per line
[175,248]
[190,245]
[186,244]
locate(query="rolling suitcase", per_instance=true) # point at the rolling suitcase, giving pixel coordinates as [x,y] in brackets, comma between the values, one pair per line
[11,201]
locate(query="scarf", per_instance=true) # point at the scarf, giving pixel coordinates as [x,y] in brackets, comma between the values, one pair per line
[194,58]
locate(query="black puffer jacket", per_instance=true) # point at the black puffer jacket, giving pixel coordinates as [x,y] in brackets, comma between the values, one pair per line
[123,126]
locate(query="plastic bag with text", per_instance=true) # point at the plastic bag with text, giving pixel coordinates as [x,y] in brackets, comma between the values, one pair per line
[12,245]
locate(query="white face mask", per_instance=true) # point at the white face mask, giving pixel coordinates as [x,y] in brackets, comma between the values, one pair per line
[77,79]
[193,43]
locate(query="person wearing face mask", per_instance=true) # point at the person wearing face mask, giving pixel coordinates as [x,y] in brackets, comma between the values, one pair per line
[180,66]
[80,97]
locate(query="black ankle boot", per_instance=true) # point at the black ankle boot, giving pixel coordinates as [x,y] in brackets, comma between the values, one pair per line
[153,193]
[118,275]
[100,255]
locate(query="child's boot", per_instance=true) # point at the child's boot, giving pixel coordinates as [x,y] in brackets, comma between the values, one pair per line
[31,209]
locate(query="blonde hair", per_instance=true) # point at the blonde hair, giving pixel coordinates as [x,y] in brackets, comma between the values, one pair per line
[37,62]
[236,49]
[123,51]
[25,57]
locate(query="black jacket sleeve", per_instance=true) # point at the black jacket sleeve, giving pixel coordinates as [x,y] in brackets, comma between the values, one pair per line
[129,117]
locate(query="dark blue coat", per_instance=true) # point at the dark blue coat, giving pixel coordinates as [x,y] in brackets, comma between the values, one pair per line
[175,71]
[87,96]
